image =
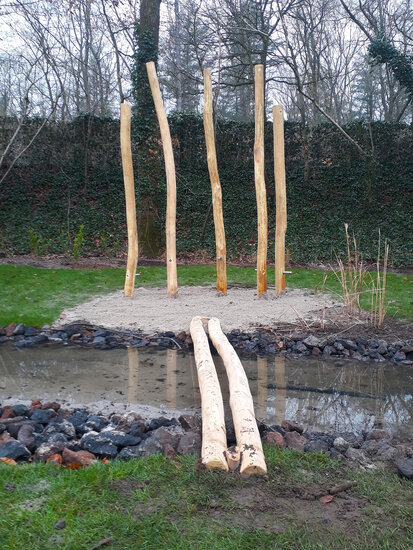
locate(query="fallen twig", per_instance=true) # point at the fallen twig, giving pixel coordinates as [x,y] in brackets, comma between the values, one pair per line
[342,487]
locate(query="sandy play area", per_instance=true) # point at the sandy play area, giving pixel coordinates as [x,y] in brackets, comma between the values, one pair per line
[150,310]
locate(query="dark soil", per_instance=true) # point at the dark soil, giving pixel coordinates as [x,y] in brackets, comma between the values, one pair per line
[340,322]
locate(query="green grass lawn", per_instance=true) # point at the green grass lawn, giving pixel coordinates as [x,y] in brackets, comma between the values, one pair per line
[156,503]
[35,296]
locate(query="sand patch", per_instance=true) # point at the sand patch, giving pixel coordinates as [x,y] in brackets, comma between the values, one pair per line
[150,310]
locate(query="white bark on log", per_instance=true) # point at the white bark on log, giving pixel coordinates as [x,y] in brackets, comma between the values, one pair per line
[171,274]
[242,406]
[126,152]
[214,437]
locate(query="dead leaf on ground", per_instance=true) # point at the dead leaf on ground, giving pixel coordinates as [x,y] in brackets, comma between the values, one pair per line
[8,461]
[326,499]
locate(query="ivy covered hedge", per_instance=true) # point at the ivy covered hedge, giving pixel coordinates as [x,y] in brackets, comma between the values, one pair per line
[72,176]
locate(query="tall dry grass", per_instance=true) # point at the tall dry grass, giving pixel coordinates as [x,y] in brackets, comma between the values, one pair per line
[356,282]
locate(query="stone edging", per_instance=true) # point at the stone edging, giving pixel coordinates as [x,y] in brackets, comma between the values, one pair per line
[44,431]
[261,342]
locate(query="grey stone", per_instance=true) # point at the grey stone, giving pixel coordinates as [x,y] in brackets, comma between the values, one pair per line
[40,338]
[382,349]
[341,445]
[191,422]
[150,446]
[118,438]
[20,410]
[378,434]
[329,350]
[338,345]
[56,436]
[15,450]
[2,428]
[312,341]
[300,347]
[62,426]
[78,417]
[26,437]
[405,467]
[336,455]
[169,436]
[190,443]
[43,416]
[61,524]
[18,330]
[295,441]
[399,356]
[30,331]
[96,422]
[357,455]
[317,445]
[99,340]
[156,423]
[46,450]
[97,445]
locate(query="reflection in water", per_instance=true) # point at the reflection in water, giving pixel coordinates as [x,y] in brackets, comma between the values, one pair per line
[317,394]
[171,378]
[262,387]
[280,388]
[133,360]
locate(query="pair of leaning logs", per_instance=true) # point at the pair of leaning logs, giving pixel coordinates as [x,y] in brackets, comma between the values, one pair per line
[214,441]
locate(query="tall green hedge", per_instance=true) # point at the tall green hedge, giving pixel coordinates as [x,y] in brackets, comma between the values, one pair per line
[72,176]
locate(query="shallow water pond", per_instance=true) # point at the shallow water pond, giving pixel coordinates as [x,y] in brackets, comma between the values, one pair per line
[318,394]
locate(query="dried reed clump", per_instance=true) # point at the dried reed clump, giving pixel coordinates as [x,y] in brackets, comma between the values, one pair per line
[356,282]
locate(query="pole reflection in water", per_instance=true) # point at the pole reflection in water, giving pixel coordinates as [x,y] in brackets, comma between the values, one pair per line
[133,362]
[171,378]
[319,395]
[280,388]
[262,389]
[194,378]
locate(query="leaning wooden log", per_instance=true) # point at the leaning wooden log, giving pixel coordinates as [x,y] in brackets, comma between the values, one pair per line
[242,406]
[280,198]
[214,437]
[221,249]
[172,280]
[260,191]
[127,166]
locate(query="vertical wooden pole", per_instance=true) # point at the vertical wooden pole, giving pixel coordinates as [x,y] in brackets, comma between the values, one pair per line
[170,182]
[127,166]
[221,249]
[280,198]
[259,171]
